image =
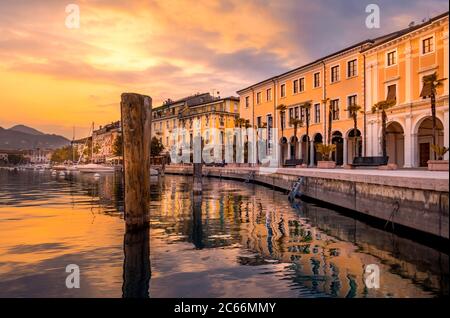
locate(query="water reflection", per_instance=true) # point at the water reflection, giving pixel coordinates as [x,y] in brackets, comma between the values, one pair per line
[236,240]
[136,264]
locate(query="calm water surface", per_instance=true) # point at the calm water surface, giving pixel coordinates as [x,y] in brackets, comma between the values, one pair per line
[239,240]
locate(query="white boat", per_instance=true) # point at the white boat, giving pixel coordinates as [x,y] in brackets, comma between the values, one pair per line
[94,168]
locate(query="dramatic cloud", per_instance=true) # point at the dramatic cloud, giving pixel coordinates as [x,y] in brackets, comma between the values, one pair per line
[55,77]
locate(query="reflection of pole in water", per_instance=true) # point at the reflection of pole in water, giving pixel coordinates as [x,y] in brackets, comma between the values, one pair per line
[197,228]
[136,265]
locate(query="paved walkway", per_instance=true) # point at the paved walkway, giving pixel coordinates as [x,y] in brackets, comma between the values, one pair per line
[413,178]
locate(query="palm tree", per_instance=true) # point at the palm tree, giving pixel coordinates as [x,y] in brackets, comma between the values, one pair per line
[307,108]
[354,110]
[295,122]
[433,82]
[381,107]
[330,114]
[282,108]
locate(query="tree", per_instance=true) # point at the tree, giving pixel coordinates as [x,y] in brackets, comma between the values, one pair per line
[87,152]
[282,108]
[15,159]
[382,107]
[330,119]
[353,110]
[118,145]
[63,154]
[432,83]
[295,122]
[307,108]
[156,147]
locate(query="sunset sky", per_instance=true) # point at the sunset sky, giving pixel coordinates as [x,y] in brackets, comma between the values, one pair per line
[53,78]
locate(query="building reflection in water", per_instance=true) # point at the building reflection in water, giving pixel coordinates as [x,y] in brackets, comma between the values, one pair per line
[326,251]
[317,251]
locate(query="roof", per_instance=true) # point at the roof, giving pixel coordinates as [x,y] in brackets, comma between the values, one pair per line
[370,43]
[386,38]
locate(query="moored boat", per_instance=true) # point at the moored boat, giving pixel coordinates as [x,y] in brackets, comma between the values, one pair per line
[94,168]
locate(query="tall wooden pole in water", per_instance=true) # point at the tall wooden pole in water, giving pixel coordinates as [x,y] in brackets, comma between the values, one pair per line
[136,131]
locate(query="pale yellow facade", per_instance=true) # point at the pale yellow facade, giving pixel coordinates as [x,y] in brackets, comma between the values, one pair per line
[205,114]
[415,54]
[355,75]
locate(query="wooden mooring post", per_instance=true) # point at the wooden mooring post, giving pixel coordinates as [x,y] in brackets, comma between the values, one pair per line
[136,131]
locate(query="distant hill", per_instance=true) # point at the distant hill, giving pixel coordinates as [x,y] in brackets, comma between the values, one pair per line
[26,129]
[23,137]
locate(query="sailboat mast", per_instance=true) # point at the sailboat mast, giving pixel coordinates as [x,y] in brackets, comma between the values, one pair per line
[92,143]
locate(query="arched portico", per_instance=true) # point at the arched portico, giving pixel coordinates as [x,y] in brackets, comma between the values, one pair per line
[352,145]
[424,132]
[395,141]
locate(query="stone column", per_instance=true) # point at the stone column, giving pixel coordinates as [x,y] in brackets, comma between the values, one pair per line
[345,159]
[300,152]
[289,150]
[446,136]
[408,148]
[280,154]
[414,150]
[311,156]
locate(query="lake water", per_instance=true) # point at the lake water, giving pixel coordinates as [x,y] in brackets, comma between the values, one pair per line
[239,240]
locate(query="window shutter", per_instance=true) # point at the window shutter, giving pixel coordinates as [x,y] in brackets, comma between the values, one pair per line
[426,90]
[391,95]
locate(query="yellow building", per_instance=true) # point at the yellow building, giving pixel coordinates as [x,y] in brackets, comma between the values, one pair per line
[200,112]
[330,84]
[395,69]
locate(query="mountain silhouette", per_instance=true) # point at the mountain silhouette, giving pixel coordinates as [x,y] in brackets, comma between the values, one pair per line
[21,137]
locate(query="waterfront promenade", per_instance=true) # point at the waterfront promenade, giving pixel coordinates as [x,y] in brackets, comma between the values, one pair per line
[417,199]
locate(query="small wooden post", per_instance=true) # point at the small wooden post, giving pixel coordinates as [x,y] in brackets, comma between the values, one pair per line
[136,130]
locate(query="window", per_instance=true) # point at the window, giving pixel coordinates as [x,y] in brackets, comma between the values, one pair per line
[352,68]
[302,114]
[392,58]
[291,114]
[427,45]
[247,101]
[283,90]
[316,80]
[269,94]
[391,93]
[258,98]
[335,74]
[317,113]
[296,112]
[351,101]
[302,84]
[295,86]
[258,122]
[335,109]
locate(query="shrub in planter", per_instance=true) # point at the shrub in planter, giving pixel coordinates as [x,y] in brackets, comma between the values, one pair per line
[326,150]
[440,164]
